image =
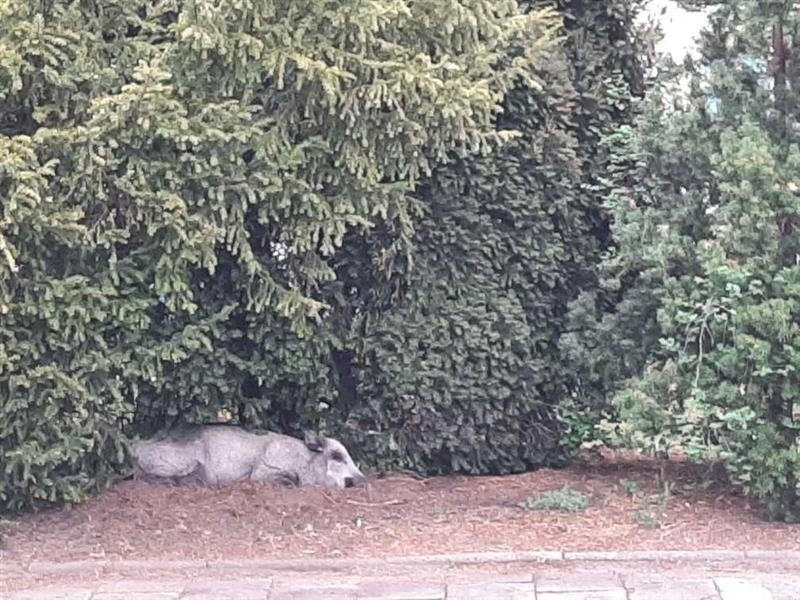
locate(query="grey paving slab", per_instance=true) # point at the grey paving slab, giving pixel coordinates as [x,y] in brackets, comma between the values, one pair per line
[618,594]
[405,595]
[310,590]
[249,589]
[732,588]
[783,587]
[578,581]
[495,591]
[643,586]
[134,586]
[311,594]
[399,590]
[51,594]
[136,596]
[467,578]
[675,591]
[588,581]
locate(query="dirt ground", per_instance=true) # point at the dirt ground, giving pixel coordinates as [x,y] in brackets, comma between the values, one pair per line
[401,515]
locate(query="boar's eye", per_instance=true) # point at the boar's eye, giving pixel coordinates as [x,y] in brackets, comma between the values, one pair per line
[337,456]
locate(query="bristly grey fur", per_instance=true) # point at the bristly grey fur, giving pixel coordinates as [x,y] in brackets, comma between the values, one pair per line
[218,454]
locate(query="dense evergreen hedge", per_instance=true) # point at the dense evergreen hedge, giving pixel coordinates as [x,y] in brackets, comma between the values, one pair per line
[304,213]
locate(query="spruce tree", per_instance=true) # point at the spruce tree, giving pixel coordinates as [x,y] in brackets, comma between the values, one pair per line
[176,177]
[454,363]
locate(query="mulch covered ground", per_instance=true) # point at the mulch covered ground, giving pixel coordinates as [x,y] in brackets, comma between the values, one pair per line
[401,515]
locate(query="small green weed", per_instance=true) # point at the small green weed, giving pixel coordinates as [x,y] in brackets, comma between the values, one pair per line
[564,500]
[631,487]
[4,525]
[645,518]
[647,515]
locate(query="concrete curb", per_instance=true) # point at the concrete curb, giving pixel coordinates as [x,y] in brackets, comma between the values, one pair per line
[41,568]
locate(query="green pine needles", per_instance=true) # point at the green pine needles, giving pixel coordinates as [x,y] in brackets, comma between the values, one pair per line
[364,216]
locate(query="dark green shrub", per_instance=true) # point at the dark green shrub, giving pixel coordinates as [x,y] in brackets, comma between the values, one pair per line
[705,269]
[373,228]
[174,183]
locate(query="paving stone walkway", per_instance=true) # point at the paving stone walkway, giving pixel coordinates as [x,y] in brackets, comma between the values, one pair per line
[595,584]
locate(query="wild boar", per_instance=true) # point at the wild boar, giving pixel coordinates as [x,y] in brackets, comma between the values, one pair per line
[218,454]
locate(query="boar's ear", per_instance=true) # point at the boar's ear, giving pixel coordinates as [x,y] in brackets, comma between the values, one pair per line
[313,441]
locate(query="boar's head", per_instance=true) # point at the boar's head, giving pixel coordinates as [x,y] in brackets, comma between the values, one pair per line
[332,458]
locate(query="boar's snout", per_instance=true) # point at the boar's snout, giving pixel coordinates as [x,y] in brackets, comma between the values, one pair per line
[355,481]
